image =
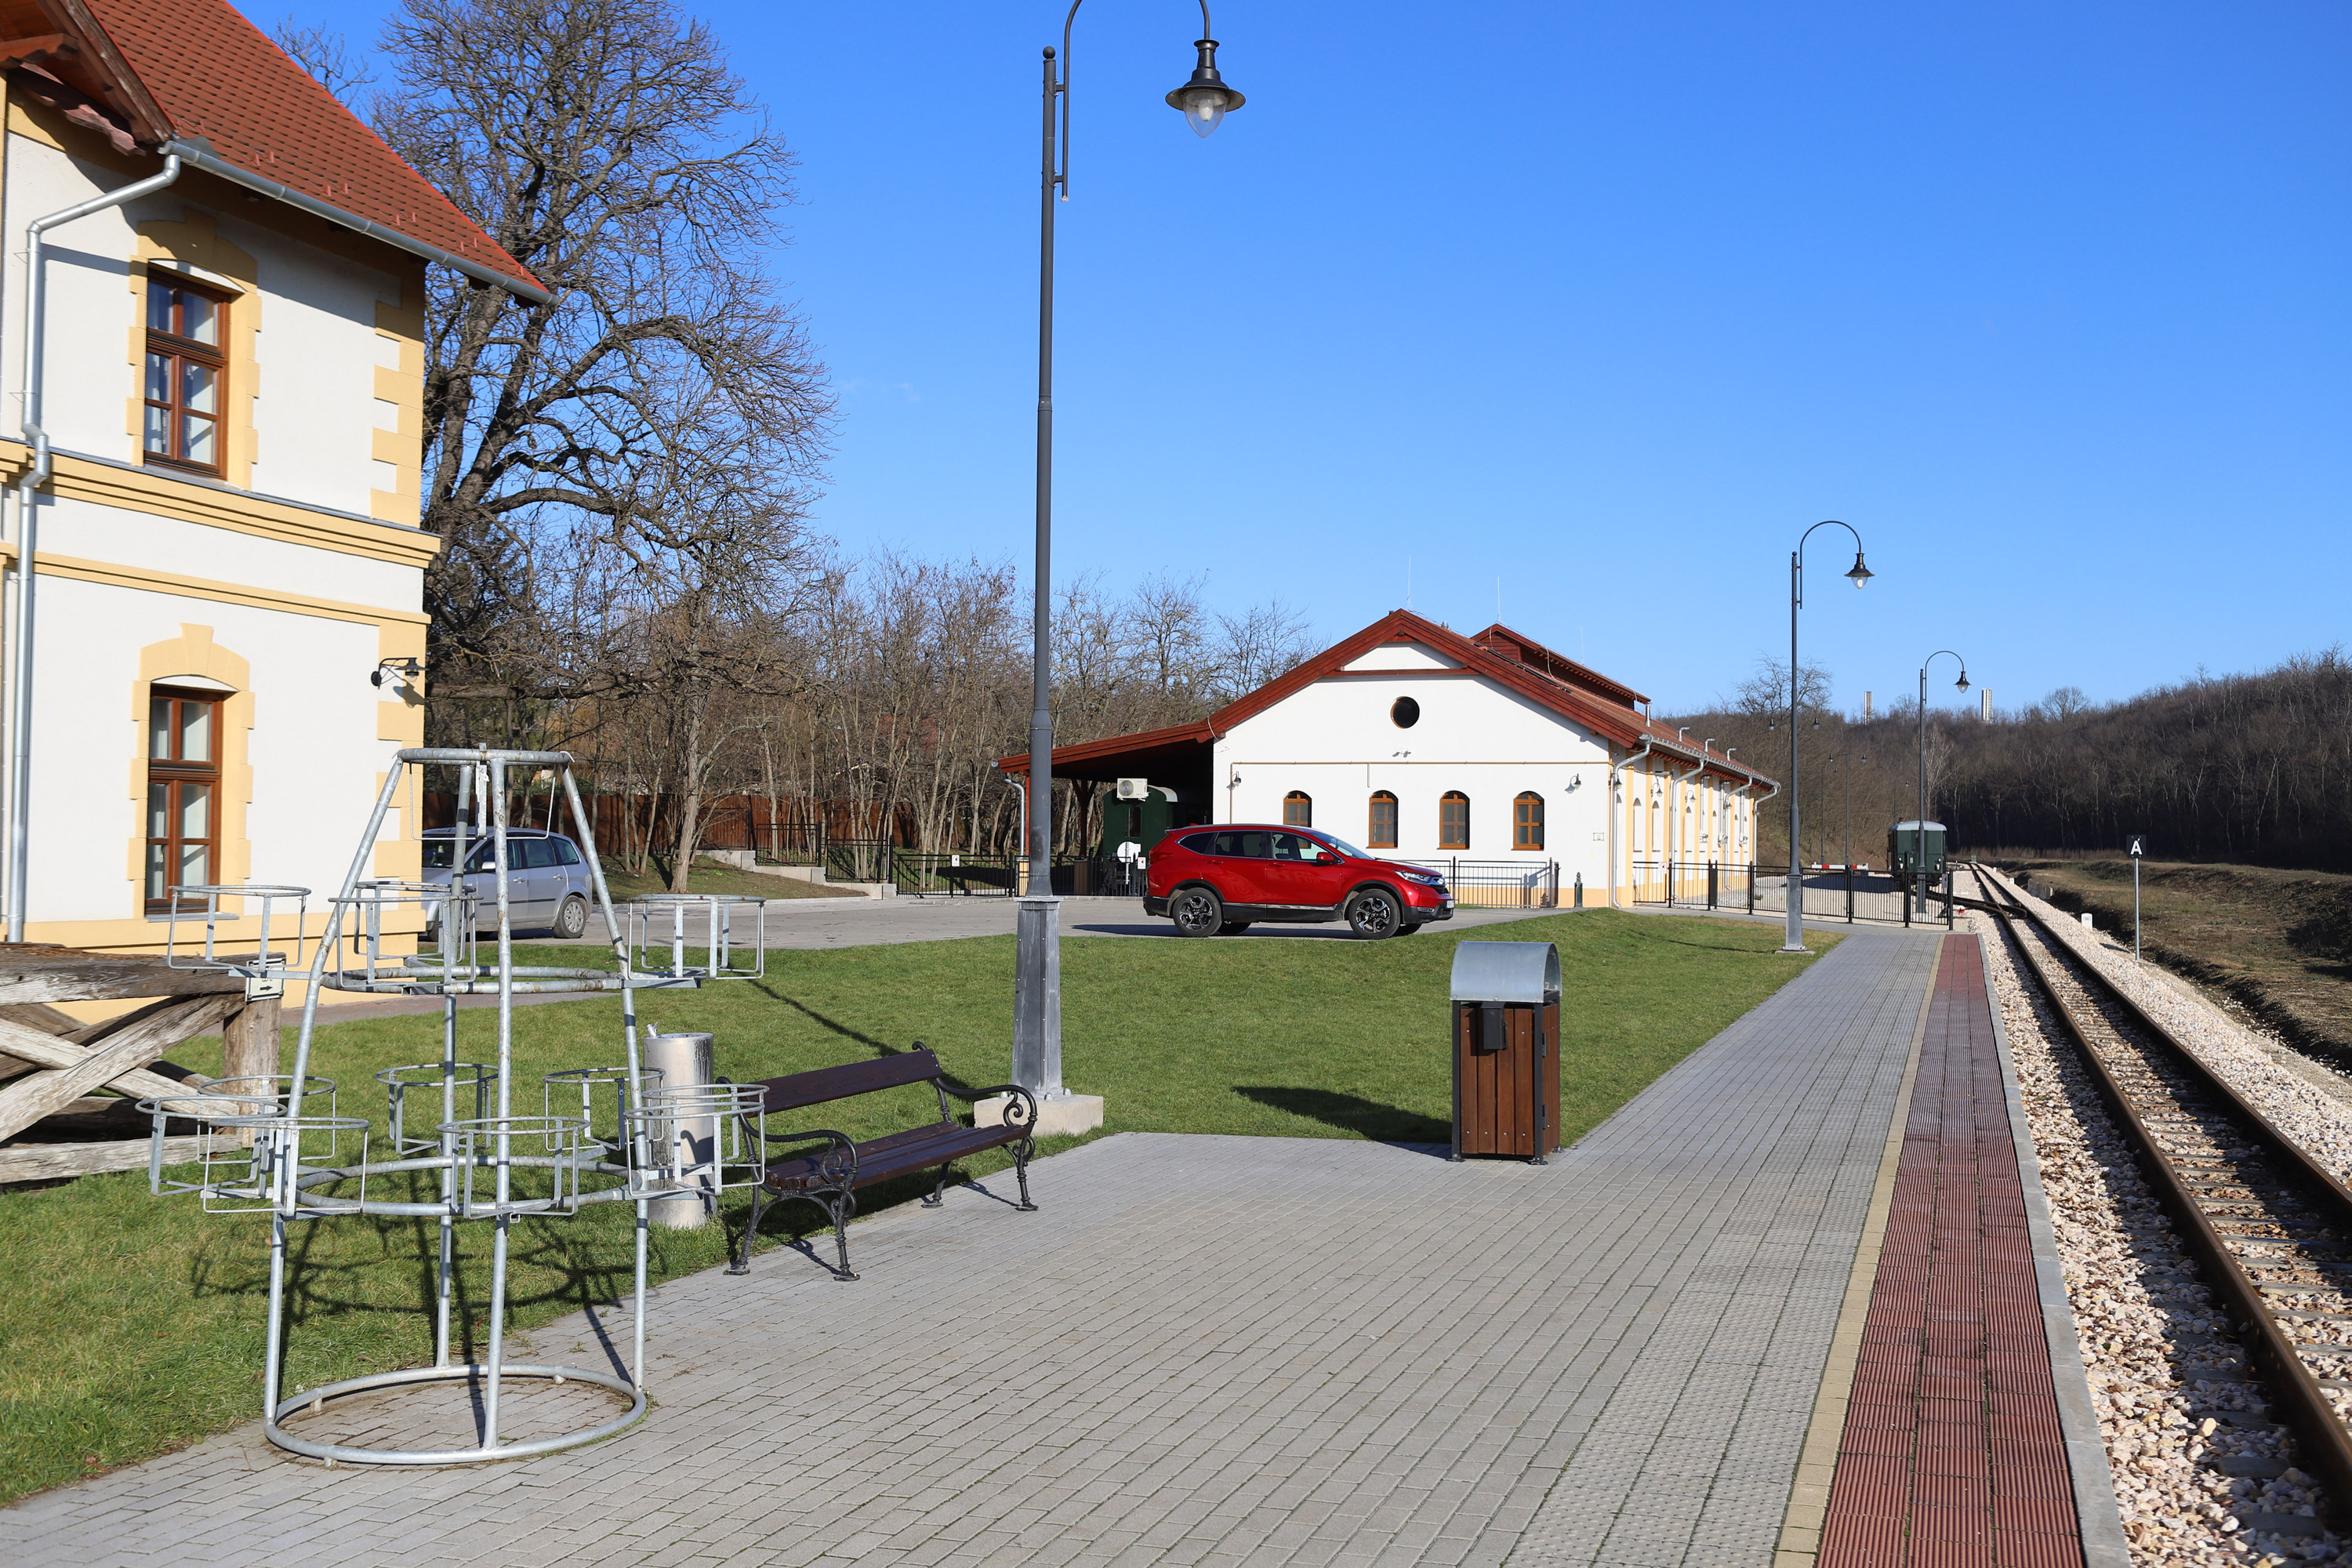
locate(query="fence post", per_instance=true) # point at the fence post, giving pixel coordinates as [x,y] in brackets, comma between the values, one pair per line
[1712,887]
[1580,890]
[1849,892]
[1751,887]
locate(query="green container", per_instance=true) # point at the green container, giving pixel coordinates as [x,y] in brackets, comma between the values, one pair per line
[1912,847]
[1145,822]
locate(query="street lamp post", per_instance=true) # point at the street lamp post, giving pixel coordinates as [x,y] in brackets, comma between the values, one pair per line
[1204,100]
[1919,837]
[1857,574]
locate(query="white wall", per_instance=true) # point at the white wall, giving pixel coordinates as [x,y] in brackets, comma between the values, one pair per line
[1335,739]
[96,532]
[316,352]
[312,747]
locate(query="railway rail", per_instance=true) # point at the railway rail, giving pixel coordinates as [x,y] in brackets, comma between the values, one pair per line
[2269,1228]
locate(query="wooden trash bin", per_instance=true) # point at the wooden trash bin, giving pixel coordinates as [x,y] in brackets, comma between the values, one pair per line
[1505,1049]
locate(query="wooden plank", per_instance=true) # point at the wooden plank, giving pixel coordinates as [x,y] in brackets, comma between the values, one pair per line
[42,1050]
[51,1162]
[32,971]
[144,1036]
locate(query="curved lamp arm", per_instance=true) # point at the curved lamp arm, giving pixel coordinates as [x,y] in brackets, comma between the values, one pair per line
[1936,655]
[1062,86]
[1858,573]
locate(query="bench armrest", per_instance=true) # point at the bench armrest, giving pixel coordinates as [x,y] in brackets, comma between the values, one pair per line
[1021,1112]
[838,1162]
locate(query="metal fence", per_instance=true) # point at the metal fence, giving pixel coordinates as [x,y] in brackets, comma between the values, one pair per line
[1696,884]
[1500,884]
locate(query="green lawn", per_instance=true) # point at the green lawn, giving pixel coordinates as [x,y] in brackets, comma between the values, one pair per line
[134,1325]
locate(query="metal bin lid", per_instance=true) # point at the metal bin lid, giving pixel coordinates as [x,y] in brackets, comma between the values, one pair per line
[1914,825]
[1505,971]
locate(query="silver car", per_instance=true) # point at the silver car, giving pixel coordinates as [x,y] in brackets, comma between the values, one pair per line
[548,886]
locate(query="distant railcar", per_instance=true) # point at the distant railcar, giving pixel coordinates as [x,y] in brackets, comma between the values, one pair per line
[1910,846]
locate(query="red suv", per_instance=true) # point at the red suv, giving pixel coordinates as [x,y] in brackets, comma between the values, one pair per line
[1216,882]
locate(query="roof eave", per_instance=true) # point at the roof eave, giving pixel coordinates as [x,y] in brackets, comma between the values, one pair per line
[212,163]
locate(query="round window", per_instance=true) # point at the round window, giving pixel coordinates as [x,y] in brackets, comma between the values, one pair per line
[1406,712]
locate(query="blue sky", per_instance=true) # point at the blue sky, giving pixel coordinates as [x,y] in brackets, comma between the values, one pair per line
[1607,304]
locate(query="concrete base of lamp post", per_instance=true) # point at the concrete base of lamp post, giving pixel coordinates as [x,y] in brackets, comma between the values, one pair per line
[1064,1115]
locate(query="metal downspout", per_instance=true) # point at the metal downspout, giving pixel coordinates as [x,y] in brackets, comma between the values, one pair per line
[20,644]
[1616,773]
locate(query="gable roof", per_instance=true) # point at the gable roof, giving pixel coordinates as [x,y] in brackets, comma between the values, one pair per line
[194,78]
[1584,697]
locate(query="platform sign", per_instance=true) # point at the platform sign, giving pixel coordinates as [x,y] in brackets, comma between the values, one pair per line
[2138,849]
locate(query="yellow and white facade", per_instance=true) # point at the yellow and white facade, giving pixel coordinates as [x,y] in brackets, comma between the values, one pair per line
[276,587]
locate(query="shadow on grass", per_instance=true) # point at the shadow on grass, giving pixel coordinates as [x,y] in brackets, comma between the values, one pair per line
[1353,1115]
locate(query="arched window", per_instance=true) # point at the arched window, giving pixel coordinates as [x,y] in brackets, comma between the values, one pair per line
[1526,821]
[1297,809]
[1381,832]
[1454,820]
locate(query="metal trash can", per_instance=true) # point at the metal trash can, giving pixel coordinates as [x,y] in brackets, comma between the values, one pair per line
[684,1061]
[1507,1049]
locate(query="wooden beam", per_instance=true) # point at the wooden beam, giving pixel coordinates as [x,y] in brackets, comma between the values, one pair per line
[41,1050]
[53,1161]
[35,971]
[143,1038]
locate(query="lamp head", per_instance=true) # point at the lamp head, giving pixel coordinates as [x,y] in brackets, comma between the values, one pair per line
[1860,573]
[1963,682]
[1205,100]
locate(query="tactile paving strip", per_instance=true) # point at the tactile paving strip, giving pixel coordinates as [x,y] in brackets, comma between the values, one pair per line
[1952,1454]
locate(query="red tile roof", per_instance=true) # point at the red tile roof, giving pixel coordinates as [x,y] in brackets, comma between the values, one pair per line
[212,74]
[1586,697]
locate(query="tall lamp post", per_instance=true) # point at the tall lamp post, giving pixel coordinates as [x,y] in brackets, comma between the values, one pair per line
[1204,100]
[1918,842]
[1857,574]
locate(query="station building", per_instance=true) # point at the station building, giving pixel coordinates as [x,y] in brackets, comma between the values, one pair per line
[1489,751]
[224,551]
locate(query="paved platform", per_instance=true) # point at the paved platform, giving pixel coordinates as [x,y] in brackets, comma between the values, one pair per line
[1200,1350]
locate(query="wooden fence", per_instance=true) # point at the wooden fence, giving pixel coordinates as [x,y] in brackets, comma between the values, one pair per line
[781,829]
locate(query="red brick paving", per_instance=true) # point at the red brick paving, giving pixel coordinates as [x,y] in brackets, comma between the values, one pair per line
[1952,1456]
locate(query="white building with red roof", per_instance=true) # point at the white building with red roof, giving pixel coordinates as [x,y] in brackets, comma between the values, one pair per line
[212,319]
[1489,751]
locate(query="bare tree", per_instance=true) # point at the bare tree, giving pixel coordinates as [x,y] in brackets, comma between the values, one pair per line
[608,148]
[328,56]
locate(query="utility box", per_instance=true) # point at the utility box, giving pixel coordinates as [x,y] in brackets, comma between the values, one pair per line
[1505,1049]
[1915,847]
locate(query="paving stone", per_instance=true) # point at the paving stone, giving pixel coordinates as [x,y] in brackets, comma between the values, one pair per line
[1202,1349]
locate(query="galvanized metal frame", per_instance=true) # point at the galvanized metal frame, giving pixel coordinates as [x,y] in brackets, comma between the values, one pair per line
[283,1170]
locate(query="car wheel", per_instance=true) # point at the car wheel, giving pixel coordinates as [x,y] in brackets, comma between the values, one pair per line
[1233,928]
[571,920]
[1197,911]
[1373,914]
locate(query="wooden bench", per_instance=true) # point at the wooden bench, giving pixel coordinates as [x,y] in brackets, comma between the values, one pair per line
[830,1177]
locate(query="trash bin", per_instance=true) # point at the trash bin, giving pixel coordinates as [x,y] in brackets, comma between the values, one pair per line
[1507,1049]
[684,1061]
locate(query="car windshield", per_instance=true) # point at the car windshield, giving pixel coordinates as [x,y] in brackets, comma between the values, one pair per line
[1344,847]
[439,852]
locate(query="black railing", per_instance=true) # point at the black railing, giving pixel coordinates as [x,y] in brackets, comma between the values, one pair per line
[1500,884]
[1693,884]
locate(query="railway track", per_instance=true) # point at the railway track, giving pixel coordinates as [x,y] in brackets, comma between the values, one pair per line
[2269,1228]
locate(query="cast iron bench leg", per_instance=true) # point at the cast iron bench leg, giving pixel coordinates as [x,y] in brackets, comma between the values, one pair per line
[844,1209]
[743,1264]
[1021,1152]
[937,1188]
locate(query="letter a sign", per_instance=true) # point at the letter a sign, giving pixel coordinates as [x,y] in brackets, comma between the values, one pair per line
[2139,845]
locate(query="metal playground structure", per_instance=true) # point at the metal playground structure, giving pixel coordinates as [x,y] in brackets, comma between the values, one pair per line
[454,1148]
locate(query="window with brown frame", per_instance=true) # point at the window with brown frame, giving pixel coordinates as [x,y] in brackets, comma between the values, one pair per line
[1454,820]
[1382,830]
[1297,809]
[1528,821]
[186,383]
[182,792]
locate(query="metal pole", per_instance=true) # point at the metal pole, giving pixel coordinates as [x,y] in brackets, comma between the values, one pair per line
[1920,832]
[2135,909]
[1795,939]
[1037,990]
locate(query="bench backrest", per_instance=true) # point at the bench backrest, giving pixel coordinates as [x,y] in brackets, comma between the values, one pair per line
[819,1085]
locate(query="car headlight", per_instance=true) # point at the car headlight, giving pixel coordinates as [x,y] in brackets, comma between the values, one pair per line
[1426,879]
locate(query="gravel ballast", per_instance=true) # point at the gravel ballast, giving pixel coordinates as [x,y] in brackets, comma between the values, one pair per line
[2166,1380]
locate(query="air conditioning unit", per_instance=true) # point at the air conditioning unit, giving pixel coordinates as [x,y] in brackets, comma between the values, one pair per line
[1135,789]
